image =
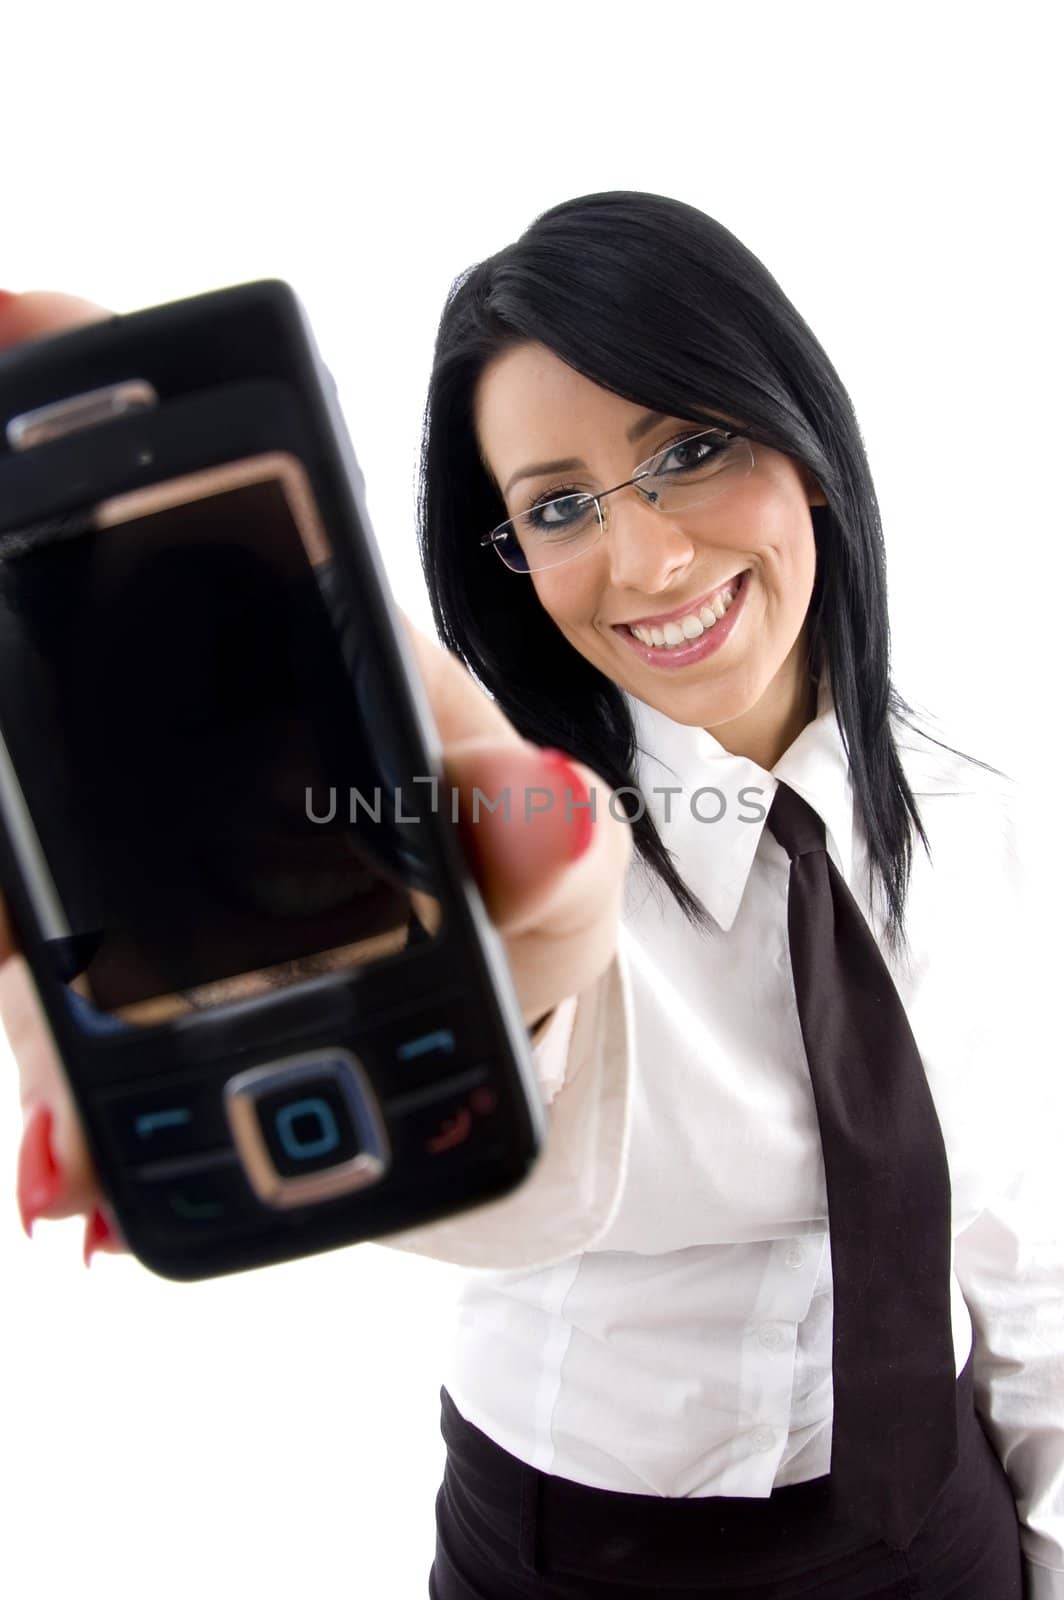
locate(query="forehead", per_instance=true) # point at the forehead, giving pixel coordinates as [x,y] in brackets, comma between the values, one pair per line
[529,395]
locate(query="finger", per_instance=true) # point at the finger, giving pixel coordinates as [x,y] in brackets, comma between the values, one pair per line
[460,707]
[102,1233]
[517,829]
[42,1082]
[559,916]
[550,866]
[42,312]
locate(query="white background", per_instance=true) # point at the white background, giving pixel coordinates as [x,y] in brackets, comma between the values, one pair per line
[896,168]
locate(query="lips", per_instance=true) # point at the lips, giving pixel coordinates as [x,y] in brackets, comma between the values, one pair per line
[691,608]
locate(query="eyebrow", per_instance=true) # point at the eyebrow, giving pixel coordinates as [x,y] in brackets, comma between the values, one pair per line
[634,433]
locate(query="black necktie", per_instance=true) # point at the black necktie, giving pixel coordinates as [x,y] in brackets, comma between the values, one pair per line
[894,1434]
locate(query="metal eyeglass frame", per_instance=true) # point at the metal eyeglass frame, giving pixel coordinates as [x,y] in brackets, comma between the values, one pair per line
[494,538]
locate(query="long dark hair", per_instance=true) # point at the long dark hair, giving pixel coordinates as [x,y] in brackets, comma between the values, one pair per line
[652,299]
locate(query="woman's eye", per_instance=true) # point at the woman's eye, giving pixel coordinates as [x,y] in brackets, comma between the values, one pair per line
[688,453]
[553,515]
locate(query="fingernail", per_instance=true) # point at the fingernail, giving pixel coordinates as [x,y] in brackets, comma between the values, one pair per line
[577,802]
[97,1233]
[6,295]
[39,1176]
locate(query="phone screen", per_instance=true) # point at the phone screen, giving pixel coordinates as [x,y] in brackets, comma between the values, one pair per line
[199,764]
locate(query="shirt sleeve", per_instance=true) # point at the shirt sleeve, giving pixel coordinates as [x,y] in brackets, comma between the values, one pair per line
[583,1060]
[1010,1259]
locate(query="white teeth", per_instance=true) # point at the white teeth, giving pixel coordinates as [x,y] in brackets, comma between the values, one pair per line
[682,629]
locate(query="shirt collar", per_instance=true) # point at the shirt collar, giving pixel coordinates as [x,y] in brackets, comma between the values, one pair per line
[716,834]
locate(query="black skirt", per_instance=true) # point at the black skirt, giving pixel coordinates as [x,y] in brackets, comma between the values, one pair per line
[506,1531]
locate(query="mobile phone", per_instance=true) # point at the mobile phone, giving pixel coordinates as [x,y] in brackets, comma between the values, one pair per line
[226,841]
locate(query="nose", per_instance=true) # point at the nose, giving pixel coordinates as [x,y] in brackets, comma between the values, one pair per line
[645,547]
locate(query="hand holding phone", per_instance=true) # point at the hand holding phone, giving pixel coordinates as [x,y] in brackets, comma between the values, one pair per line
[557,917]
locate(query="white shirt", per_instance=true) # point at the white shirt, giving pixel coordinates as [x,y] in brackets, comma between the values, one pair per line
[651,1311]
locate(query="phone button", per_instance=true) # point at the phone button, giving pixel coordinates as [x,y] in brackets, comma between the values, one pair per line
[437,1042]
[163,1124]
[308,1128]
[418,1048]
[422,1048]
[204,1197]
[459,1117]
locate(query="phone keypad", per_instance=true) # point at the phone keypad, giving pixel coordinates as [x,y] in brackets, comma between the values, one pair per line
[414,1096]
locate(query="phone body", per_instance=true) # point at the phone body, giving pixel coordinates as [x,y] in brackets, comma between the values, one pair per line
[227,844]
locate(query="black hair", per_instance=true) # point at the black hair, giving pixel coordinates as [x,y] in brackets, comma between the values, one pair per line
[657,302]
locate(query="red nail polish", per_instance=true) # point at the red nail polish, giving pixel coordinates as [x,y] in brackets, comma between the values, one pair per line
[97,1233]
[577,802]
[39,1176]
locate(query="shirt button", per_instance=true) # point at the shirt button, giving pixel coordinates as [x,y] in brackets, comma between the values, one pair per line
[763,1439]
[770,1337]
[794,1257]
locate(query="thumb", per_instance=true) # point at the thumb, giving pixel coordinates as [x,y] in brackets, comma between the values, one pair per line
[552,872]
[42,312]
[526,815]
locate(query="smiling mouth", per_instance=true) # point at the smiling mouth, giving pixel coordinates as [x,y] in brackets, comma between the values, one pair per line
[686,623]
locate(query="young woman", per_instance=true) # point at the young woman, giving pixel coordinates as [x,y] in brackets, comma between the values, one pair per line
[691,599]
[649,531]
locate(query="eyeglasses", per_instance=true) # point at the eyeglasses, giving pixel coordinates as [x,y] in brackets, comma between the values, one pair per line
[688,472]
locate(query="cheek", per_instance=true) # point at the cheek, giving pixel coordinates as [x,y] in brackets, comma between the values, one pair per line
[778,528]
[799,553]
[568,599]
